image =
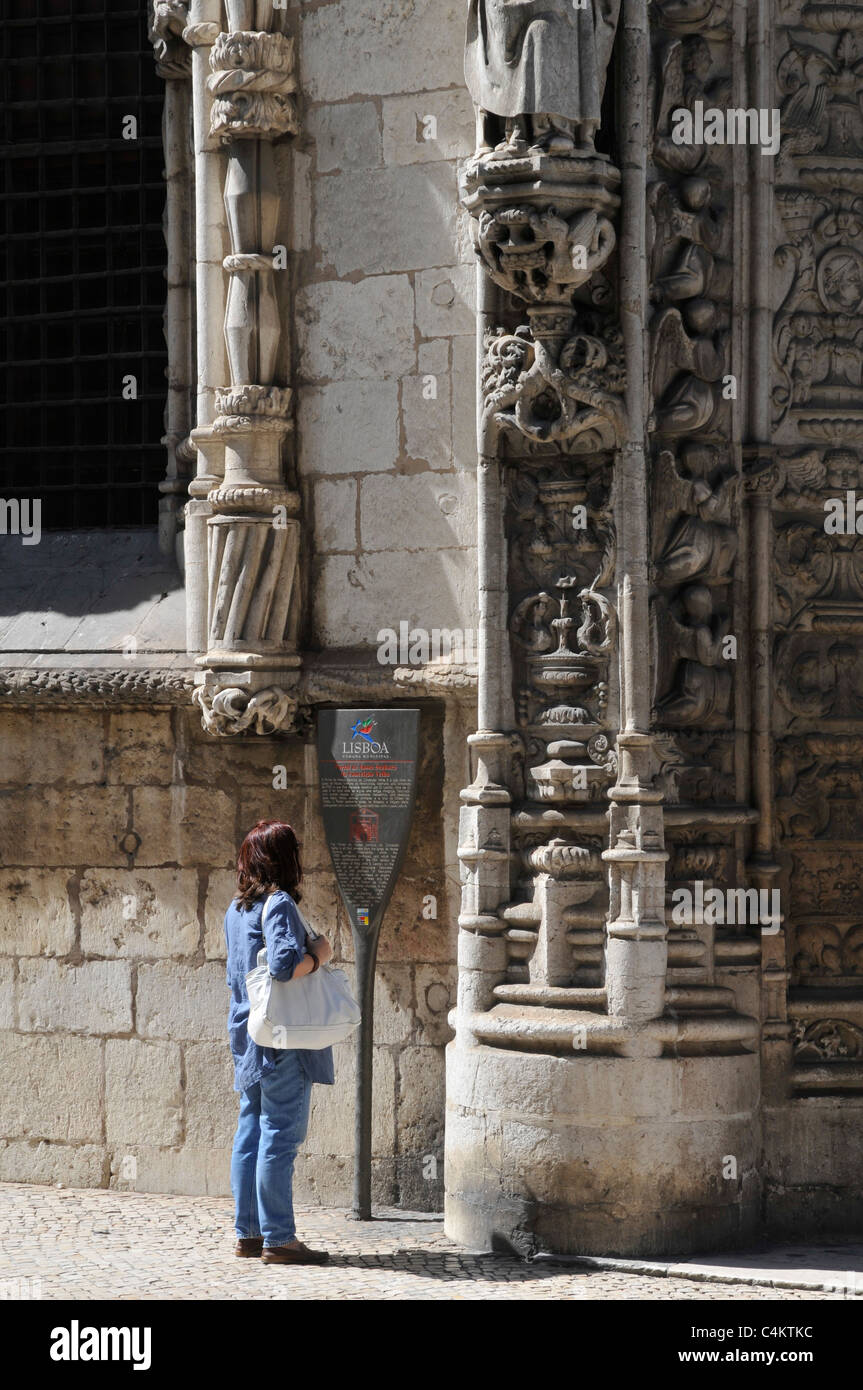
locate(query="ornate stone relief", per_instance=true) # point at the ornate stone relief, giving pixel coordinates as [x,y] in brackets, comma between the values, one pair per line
[543,206]
[695,487]
[818,600]
[827,1040]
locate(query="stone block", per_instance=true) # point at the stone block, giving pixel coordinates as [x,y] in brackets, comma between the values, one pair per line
[64,825]
[435,989]
[221,887]
[359,47]
[7,993]
[300,207]
[184,825]
[182,1002]
[464,442]
[323,1181]
[189,1172]
[349,427]
[428,126]
[381,221]
[394,1014]
[95,997]
[35,916]
[433,357]
[335,512]
[331,1127]
[421,1103]
[421,512]
[37,1161]
[57,1090]
[211,1101]
[150,913]
[63,747]
[445,303]
[361,330]
[427,418]
[143,1092]
[355,598]
[140,747]
[346,136]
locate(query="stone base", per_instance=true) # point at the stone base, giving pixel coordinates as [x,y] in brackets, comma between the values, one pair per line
[813,1182]
[601,1155]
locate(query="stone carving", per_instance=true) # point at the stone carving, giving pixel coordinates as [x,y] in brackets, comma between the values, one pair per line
[252,80]
[700,542]
[695,551]
[827,1040]
[114,687]
[167,20]
[538,255]
[254,527]
[818,395]
[694,16]
[536,70]
[233,711]
[689,352]
[556,385]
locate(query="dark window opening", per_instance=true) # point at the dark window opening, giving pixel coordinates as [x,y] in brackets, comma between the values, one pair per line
[82,261]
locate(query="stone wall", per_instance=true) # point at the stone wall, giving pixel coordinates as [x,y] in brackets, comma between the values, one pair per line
[118,829]
[385,329]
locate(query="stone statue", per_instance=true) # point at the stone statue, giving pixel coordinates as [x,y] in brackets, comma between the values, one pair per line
[536,70]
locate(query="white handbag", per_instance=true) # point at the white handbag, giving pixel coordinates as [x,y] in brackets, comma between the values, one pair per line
[312,1012]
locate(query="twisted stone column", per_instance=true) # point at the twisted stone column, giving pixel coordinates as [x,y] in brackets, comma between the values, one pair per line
[253,527]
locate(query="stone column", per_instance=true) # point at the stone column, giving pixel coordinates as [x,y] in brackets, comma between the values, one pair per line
[566,1029]
[201,33]
[636,951]
[174,65]
[253,529]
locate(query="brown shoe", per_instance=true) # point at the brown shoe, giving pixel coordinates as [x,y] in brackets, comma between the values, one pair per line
[249,1247]
[289,1255]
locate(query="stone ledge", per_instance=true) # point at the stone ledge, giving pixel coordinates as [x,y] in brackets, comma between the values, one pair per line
[763,1268]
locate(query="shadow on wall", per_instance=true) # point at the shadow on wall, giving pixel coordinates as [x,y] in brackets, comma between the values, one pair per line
[90,591]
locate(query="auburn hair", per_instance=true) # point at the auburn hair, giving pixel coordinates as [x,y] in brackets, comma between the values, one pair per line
[269,859]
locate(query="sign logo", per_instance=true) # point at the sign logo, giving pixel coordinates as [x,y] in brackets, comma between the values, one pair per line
[364,827]
[362,916]
[363,727]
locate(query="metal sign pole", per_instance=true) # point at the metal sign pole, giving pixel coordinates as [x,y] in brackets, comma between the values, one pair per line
[367,761]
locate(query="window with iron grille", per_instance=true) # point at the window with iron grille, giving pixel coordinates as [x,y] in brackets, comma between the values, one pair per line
[82,260]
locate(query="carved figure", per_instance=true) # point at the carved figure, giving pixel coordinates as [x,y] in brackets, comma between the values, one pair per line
[536,70]
[702,692]
[701,544]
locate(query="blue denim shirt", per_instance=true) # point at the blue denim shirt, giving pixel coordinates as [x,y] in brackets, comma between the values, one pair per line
[286,946]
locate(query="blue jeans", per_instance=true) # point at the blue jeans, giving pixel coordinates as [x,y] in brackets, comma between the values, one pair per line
[274,1117]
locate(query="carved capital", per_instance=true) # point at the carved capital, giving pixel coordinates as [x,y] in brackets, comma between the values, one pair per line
[251,81]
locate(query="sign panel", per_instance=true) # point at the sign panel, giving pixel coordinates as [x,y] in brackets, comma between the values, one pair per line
[367,762]
[368,765]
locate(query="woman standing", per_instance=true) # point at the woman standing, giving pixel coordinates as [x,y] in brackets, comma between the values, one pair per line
[275,1084]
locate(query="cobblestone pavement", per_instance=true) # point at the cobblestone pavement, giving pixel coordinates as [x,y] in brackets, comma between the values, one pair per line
[98,1244]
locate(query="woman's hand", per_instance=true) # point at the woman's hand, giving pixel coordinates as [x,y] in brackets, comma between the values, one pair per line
[320,948]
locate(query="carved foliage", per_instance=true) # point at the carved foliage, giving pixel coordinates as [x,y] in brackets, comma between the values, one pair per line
[252,80]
